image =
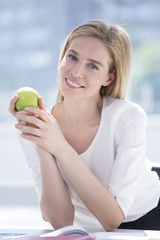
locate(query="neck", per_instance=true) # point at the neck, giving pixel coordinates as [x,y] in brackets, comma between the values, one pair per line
[82,112]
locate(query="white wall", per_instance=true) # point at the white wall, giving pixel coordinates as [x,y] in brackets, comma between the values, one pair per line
[12,160]
[153,139]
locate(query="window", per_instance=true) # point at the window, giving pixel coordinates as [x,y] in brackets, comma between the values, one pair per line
[31,35]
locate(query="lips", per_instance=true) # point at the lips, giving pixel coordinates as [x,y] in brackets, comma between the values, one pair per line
[72,83]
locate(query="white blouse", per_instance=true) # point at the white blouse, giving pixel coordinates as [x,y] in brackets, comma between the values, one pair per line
[117,158]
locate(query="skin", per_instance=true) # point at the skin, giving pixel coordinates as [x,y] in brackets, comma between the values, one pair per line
[68,131]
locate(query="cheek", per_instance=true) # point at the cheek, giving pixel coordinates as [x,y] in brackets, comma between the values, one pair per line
[61,71]
[96,78]
[63,67]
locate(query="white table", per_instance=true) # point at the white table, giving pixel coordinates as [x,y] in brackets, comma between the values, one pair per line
[37,231]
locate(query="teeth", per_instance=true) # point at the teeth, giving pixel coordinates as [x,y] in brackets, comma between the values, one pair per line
[72,83]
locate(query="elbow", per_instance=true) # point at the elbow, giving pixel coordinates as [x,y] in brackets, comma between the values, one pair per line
[111,224]
[57,223]
[57,219]
[110,227]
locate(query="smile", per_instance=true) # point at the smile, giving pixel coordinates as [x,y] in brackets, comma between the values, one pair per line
[72,84]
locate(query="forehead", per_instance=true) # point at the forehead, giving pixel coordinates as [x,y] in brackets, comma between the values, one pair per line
[90,47]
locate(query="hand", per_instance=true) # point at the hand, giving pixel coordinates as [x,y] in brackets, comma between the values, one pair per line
[13,111]
[12,103]
[12,108]
[39,126]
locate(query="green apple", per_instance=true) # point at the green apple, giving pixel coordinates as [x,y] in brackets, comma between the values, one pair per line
[27,97]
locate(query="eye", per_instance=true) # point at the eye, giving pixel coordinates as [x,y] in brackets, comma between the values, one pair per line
[72,57]
[93,66]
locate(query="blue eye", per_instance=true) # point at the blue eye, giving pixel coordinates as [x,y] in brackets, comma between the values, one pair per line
[92,66]
[72,57]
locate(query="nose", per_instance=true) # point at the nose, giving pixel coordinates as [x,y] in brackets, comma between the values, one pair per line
[77,70]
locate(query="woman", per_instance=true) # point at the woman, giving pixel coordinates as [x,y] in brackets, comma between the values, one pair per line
[88,163]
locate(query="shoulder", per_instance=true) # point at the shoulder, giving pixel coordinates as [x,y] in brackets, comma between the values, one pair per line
[123,109]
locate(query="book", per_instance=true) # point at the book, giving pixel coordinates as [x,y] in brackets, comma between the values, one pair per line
[78,233]
[116,235]
[68,230]
[66,237]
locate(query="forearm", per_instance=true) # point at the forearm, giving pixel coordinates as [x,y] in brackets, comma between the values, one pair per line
[32,163]
[55,203]
[94,195]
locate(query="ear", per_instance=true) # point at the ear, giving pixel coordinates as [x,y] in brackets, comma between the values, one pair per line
[110,78]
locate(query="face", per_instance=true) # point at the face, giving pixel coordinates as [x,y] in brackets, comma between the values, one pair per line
[84,69]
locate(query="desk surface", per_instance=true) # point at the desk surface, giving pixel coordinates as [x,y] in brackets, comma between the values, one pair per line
[20,231]
[37,231]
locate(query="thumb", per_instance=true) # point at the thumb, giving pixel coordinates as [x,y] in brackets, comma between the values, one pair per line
[41,103]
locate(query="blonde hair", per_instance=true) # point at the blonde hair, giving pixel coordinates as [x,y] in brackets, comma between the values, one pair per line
[118,44]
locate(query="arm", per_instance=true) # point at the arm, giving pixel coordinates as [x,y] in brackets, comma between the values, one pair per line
[56,206]
[98,199]
[130,155]
[100,202]
[130,159]
[130,136]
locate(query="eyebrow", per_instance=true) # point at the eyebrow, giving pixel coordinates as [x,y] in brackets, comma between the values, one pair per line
[88,59]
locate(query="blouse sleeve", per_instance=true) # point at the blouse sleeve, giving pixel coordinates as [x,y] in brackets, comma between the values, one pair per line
[130,157]
[32,163]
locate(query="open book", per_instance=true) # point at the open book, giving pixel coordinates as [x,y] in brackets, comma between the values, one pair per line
[69,230]
[117,235]
[78,233]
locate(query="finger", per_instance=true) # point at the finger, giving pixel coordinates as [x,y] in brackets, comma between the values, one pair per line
[32,138]
[12,109]
[25,123]
[41,104]
[43,115]
[30,120]
[18,115]
[29,130]
[21,122]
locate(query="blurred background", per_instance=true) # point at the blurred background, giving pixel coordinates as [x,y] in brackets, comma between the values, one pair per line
[31,35]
